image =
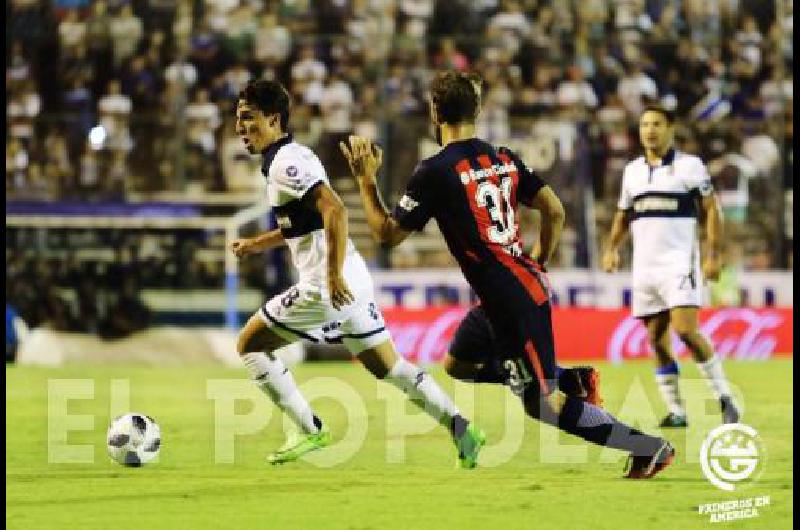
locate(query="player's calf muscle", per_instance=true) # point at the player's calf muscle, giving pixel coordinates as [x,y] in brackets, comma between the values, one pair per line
[379,360]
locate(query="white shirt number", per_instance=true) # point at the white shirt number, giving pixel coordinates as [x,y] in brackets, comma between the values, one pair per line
[489,196]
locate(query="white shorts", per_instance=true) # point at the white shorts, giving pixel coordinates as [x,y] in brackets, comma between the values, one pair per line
[656,292]
[303,312]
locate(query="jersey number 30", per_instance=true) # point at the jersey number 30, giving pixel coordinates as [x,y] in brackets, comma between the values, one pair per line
[497,201]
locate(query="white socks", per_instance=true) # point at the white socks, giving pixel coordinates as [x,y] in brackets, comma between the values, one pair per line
[667,378]
[272,376]
[423,391]
[275,380]
[712,369]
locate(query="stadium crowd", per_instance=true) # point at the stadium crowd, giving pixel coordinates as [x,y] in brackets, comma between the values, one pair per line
[108,97]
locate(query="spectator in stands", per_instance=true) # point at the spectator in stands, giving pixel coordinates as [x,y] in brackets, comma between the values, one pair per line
[512,24]
[79,115]
[160,15]
[71,32]
[240,170]
[576,92]
[156,52]
[204,52]
[180,75]
[17,161]
[202,122]
[273,42]
[236,78]
[636,89]
[140,83]
[89,173]
[98,42]
[336,106]
[126,33]
[240,31]
[449,56]
[114,110]
[544,97]
[22,110]
[57,166]
[777,92]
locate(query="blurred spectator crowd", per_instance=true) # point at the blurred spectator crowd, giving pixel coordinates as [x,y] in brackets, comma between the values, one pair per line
[109,97]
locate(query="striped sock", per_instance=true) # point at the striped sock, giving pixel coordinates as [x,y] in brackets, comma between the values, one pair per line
[712,369]
[667,378]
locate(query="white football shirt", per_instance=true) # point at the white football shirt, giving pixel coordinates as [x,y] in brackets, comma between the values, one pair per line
[292,171]
[664,202]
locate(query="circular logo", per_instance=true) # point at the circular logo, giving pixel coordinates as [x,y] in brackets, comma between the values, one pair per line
[732,456]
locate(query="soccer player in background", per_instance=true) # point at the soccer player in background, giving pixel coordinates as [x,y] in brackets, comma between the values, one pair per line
[473,190]
[662,196]
[333,300]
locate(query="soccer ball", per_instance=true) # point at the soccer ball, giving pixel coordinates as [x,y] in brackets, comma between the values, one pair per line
[133,439]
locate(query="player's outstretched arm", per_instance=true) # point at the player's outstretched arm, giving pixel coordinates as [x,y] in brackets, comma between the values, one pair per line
[549,205]
[252,245]
[619,229]
[365,159]
[334,219]
[712,219]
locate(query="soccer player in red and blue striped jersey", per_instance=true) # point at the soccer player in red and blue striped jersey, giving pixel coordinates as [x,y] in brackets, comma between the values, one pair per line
[473,190]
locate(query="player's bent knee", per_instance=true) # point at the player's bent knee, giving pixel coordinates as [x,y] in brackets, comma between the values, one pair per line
[688,336]
[257,337]
[246,344]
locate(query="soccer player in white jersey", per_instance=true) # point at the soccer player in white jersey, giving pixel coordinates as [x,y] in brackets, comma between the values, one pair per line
[333,300]
[663,195]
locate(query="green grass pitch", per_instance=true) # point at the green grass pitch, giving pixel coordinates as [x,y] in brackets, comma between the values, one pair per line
[186,489]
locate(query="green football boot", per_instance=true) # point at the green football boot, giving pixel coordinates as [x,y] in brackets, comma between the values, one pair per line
[299,444]
[673,421]
[469,445]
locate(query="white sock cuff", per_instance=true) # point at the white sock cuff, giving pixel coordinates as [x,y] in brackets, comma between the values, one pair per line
[712,361]
[403,369]
[260,364]
[423,390]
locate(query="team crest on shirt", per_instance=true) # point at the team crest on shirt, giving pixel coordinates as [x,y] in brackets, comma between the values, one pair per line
[291,171]
[284,222]
[407,203]
[705,187]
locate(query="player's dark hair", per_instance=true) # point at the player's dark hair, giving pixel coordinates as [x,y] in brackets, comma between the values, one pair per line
[270,97]
[655,107]
[455,97]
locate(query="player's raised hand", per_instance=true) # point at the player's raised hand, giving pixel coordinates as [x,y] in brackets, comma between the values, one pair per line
[363,157]
[610,260]
[340,292]
[242,247]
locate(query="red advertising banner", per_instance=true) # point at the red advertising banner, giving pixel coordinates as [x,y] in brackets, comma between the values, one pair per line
[423,335]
